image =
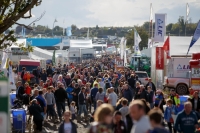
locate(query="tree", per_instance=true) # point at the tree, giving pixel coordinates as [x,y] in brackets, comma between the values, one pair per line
[10,12]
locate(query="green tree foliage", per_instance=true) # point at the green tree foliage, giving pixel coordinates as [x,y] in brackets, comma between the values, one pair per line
[10,12]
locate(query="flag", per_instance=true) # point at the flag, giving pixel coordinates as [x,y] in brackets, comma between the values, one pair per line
[63,27]
[187,12]
[5,60]
[69,33]
[166,48]
[54,58]
[160,27]
[137,40]
[88,33]
[195,36]
[151,13]
[122,48]
[125,59]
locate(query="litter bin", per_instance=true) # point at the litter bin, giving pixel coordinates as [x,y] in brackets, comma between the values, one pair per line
[19,120]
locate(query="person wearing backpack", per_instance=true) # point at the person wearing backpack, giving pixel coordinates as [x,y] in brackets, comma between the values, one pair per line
[50,100]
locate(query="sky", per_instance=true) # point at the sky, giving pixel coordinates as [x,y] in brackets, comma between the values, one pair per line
[89,13]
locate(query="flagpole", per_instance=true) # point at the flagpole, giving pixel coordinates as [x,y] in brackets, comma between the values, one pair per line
[186,19]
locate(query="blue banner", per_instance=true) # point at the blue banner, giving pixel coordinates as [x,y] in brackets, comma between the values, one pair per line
[195,36]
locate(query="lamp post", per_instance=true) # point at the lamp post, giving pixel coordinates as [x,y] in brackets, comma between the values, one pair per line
[53,26]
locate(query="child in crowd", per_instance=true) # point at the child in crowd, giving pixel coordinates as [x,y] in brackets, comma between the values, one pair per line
[125,109]
[155,117]
[27,89]
[169,112]
[73,110]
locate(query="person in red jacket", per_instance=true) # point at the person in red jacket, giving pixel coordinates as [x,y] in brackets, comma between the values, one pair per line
[27,89]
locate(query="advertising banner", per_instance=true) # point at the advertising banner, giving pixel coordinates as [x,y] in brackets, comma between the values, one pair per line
[160,27]
[159,58]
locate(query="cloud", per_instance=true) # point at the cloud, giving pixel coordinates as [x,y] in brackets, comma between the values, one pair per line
[110,12]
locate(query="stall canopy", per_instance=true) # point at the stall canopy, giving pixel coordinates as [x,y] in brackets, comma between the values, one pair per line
[81,44]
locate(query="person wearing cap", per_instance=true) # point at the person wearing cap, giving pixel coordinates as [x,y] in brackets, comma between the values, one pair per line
[175,97]
[35,110]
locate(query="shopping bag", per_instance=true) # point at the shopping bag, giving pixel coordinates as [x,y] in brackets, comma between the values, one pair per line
[174,117]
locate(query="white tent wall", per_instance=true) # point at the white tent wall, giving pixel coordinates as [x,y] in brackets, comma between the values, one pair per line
[42,53]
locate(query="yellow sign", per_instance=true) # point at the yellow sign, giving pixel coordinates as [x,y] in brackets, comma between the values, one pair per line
[195,82]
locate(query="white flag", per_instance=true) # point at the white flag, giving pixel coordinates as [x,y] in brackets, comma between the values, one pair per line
[4,59]
[151,13]
[122,48]
[187,12]
[125,59]
[160,27]
[88,33]
[137,40]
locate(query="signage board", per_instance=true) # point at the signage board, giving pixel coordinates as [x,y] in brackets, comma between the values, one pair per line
[159,58]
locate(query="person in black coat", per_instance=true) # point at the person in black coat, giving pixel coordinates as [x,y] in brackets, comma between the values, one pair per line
[67,129]
[35,110]
[60,96]
[118,125]
[196,103]
[129,123]
[131,81]
[19,91]
[140,93]
[75,93]
[151,84]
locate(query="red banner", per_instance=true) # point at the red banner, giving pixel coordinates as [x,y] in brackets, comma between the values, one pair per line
[159,58]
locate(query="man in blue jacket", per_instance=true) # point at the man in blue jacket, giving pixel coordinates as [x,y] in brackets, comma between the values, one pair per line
[93,94]
[186,121]
[127,93]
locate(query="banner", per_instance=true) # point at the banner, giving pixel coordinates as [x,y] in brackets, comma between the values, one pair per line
[125,59]
[122,48]
[195,36]
[160,27]
[137,40]
[159,58]
[69,32]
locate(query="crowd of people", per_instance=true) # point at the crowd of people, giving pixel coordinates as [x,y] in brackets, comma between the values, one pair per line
[112,101]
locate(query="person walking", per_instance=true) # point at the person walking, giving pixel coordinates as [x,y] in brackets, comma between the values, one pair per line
[51,103]
[82,105]
[169,111]
[67,125]
[60,95]
[186,121]
[151,84]
[35,110]
[93,94]
[112,97]
[137,113]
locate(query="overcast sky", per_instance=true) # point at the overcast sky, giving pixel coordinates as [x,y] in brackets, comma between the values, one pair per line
[89,13]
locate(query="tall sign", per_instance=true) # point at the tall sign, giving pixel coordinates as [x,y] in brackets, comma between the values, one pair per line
[195,74]
[160,27]
[4,102]
[159,58]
